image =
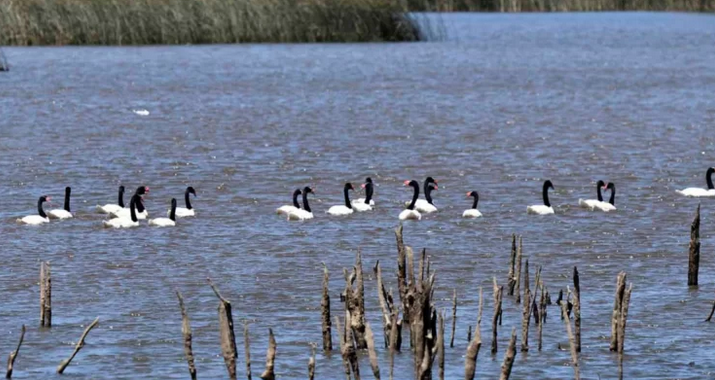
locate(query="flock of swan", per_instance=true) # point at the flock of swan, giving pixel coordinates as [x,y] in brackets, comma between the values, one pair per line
[121,216]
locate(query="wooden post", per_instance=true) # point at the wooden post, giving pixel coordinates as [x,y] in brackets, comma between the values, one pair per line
[386,304]
[694,251]
[228,337]
[509,357]
[542,313]
[526,276]
[712,311]
[511,278]
[517,287]
[526,319]
[370,338]
[402,273]
[355,302]
[186,332]
[247,349]
[469,334]
[45,295]
[623,317]
[617,302]
[572,343]
[343,350]
[395,339]
[13,355]
[497,313]
[325,312]
[454,318]
[348,349]
[440,345]
[577,309]
[311,363]
[268,374]
[77,347]
[470,359]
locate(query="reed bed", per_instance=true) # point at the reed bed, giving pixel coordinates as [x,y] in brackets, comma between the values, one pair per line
[558,5]
[153,22]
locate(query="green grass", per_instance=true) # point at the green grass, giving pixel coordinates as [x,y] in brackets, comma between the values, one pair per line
[145,22]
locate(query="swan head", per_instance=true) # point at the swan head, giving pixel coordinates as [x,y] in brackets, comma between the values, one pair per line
[121,189]
[368,180]
[307,190]
[472,194]
[600,184]
[549,185]
[68,190]
[173,203]
[349,186]
[611,186]
[141,190]
[297,192]
[711,170]
[189,190]
[431,180]
[412,183]
[45,198]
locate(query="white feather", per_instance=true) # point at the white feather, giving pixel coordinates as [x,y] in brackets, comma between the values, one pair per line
[471,213]
[539,210]
[410,215]
[59,214]
[33,220]
[696,192]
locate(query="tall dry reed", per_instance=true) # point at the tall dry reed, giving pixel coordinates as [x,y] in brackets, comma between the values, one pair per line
[145,22]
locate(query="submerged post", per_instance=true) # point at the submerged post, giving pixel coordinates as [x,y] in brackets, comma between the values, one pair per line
[517,287]
[228,337]
[268,374]
[325,312]
[499,292]
[186,332]
[454,318]
[577,309]
[509,357]
[45,295]
[617,306]
[694,250]
[13,355]
[511,279]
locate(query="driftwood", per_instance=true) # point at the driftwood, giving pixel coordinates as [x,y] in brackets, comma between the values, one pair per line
[371,351]
[13,355]
[454,318]
[617,307]
[395,339]
[386,305]
[572,342]
[348,349]
[694,250]
[343,351]
[325,312]
[247,349]
[511,278]
[186,332]
[355,301]
[517,287]
[423,324]
[470,359]
[497,312]
[509,357]
[577,309]
[311,362]
[228,337]
[45,295]
[269,374]
[440,345]
[77,347]
[623,317]
[526,318]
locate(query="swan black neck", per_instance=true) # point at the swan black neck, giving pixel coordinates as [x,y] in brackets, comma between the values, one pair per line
[545,193]
[347,188]
[428,193]
[132,207]
[612,201]
[296,193]
[39,207]
[172,214]
[187,199]
[709,178]
[415,195]
[68,190]
[476,199]
[599,186]
[141,190]
[306,206]
[121,197]
[368,192]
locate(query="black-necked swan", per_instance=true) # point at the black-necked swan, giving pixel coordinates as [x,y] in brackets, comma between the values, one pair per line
[410,212]
[142,213]
[472,212]
[426,205]
[365,204]
[611,204]
[166,222]
[64,213]
[110,208]
[347,208]
[287,209]
[182,212]
[546,208]
[698,192]
[592,203]
[305,213]
[41,217]
[126,222]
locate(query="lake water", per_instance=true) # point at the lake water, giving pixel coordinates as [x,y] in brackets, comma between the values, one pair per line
[501,103]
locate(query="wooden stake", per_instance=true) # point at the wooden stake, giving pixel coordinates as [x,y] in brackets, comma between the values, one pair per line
[577,308]
[186,332]
[511,278]
[440,345]
[371,351]
[343,351]
[497,313]
[617,303]
[355,302]
[454,318]
[517,287]
[77,347]
[542,313]
[45,295]
[247,348]
[228,337]
[325,312]
[268,374]
[13,355]
[572,343]
[623,318]
[386,305]
[526,276]
[311,362]
[526,319]
[401,273]
[509,357]
[470,359]
[694,250]
[395,339]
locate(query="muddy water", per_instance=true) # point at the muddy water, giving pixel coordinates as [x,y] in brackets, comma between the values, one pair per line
[500,104]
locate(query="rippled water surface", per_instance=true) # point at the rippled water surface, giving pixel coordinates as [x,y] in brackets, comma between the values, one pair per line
[499,105]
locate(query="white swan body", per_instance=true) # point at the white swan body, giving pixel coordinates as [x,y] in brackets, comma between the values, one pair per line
[361,206]
[696,192]
[610,205]
[345,209]
[540,210]
[59,214]
[287,209]
[305,213]
[410,215]
[423,206]
[471,213]
[605,207]
[362,201]
[112,208]
[166,222]
[33,220]
[183,212]
[120,223]
[124,213]
[589,203]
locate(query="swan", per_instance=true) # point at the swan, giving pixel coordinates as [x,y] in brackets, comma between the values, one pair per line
[546,208]
[305,213]
[182,212]
[611,204]
[472,212]
[129,222]
[62,213]
[410,212]
[142,213]
[698,192]
[592,203]
[41,218]
[285,210]
[365,204]
[425,205]
[346,209]
[110,208]
[167,222]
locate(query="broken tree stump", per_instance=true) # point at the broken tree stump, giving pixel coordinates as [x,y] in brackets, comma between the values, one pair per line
[343,349]
[45,295]
[694,250]
[325,312]
[395,339]
[386,305]
[247,349]
[511,277]
[617,306]
[355,302]
[497,312]
[269,373]
[454,318]
[440,345]
[577,309]
[311,363]
[13,355]
[228,337]
[370,338]
[402,273]
[186,333]
[572,342]
[623,318]
[509,357]
[526,319]
[77,347]
[517,286]
[470,359]
[542,313]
